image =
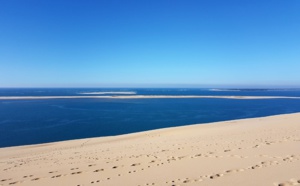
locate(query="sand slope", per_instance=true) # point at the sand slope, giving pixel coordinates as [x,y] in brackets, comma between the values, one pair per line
[260,151]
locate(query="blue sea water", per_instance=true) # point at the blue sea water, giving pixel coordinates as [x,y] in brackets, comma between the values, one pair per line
[24,122]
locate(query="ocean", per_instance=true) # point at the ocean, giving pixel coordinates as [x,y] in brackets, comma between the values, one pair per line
[25,122]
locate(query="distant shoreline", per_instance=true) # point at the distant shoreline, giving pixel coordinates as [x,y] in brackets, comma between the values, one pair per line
[142,97]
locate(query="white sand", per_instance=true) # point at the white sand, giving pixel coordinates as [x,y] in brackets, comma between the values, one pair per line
[261,151]
[107,93]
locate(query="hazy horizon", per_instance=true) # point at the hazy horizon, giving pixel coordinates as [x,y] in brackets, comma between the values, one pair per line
[112,86]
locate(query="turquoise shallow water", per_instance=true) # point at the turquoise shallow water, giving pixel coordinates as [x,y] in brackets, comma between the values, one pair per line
[38,121]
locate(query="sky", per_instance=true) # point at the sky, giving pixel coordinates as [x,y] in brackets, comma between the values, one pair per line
[149,43]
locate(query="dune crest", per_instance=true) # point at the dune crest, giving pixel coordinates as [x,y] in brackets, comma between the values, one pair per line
[259,151]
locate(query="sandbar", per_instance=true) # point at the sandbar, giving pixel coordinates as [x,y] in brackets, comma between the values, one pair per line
[107,93]
[144,97]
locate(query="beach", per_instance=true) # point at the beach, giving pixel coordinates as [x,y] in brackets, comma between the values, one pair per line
[257,151]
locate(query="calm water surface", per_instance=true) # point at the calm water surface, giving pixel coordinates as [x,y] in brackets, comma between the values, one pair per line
[38,121]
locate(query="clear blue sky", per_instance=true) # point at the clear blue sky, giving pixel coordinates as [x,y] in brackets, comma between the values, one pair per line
[92,43]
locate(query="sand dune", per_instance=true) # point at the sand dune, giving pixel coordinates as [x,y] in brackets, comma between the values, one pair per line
[260,151]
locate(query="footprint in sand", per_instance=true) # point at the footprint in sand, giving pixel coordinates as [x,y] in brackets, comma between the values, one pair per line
[135,164]
[234,170]
[255,167]
[216,176]
[79,172]
[92,182]
[187,181]
[98,170]
[12,183]
[57,176]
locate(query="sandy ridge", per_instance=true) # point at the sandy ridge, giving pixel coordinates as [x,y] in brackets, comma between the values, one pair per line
[258,151]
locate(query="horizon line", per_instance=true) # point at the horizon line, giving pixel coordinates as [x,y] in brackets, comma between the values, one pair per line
[142,87]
